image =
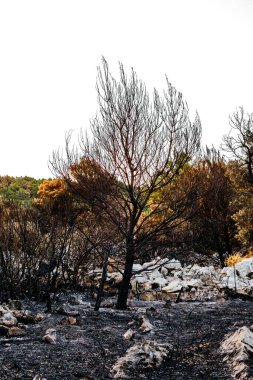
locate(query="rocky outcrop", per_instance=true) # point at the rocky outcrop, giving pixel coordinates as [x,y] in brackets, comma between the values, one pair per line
[237,348]
[145,354]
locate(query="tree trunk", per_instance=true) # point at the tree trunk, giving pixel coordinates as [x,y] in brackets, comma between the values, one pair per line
[125,284]
[102,282]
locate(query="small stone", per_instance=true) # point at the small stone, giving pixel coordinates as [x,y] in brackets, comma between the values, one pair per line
[129,334]
[8,319]
[68,321]
[65,310]
[24,316]
[145,325]
[16,331]
[50,336]
[39,377]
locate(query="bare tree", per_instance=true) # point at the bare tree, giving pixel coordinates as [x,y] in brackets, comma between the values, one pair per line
[240,145]
[140,146]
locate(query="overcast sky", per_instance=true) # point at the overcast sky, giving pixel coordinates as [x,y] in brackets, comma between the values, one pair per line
[50,49]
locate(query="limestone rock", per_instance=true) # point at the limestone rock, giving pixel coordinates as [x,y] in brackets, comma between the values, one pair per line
[16,331]
[174,286]
[68,321]
[143,354]
[50,336]
[27,317]
[245,267]
[8,319]
[129,334]
[237,348]
[145,325]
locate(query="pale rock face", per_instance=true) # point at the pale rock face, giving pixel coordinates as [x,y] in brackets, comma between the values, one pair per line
[227,271]
[178,274]
[145,325]
[237,348]
[137,267]
[164,271]
[173,264]
[154,274]
[242,285]
[193,283]
[174,286]
[129,334]
[159,282]
[245,267]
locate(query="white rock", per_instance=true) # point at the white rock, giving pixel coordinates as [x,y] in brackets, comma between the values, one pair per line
[174,286]
[129,334]
[237,348]
[193,283]
[159,281]
[50,336]
[146,354]
[164,271]
[173,264]
[137,267]
[145,325]
[245,267]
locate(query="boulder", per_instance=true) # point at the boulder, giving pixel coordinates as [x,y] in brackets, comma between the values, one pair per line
[174,286]
[141,355]
[245,268]
[137,267]
[159,282]
[173,265]
[237,348]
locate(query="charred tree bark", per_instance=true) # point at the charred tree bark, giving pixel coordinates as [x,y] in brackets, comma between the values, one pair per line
[102,282]
[128,270]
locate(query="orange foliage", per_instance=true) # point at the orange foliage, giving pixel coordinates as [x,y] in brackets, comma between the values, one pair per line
[51,189]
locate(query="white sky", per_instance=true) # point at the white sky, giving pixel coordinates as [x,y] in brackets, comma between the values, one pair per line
[49,51]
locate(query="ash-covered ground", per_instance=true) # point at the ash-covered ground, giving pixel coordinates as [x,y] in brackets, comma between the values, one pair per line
[89,349]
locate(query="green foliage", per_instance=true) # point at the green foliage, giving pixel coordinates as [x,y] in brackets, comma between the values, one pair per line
[19,189]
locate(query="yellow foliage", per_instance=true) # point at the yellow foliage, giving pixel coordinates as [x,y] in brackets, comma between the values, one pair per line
[51,189]
[233,259]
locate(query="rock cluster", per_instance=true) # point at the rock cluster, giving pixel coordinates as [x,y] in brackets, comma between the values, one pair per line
[13,321]
[165,279]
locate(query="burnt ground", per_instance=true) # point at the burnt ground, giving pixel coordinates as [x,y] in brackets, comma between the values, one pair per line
[88,350]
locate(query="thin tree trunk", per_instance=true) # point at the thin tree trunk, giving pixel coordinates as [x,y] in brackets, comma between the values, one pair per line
[102,281]
[125,284]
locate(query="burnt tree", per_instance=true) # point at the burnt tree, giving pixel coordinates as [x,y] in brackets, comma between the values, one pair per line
[139,145]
